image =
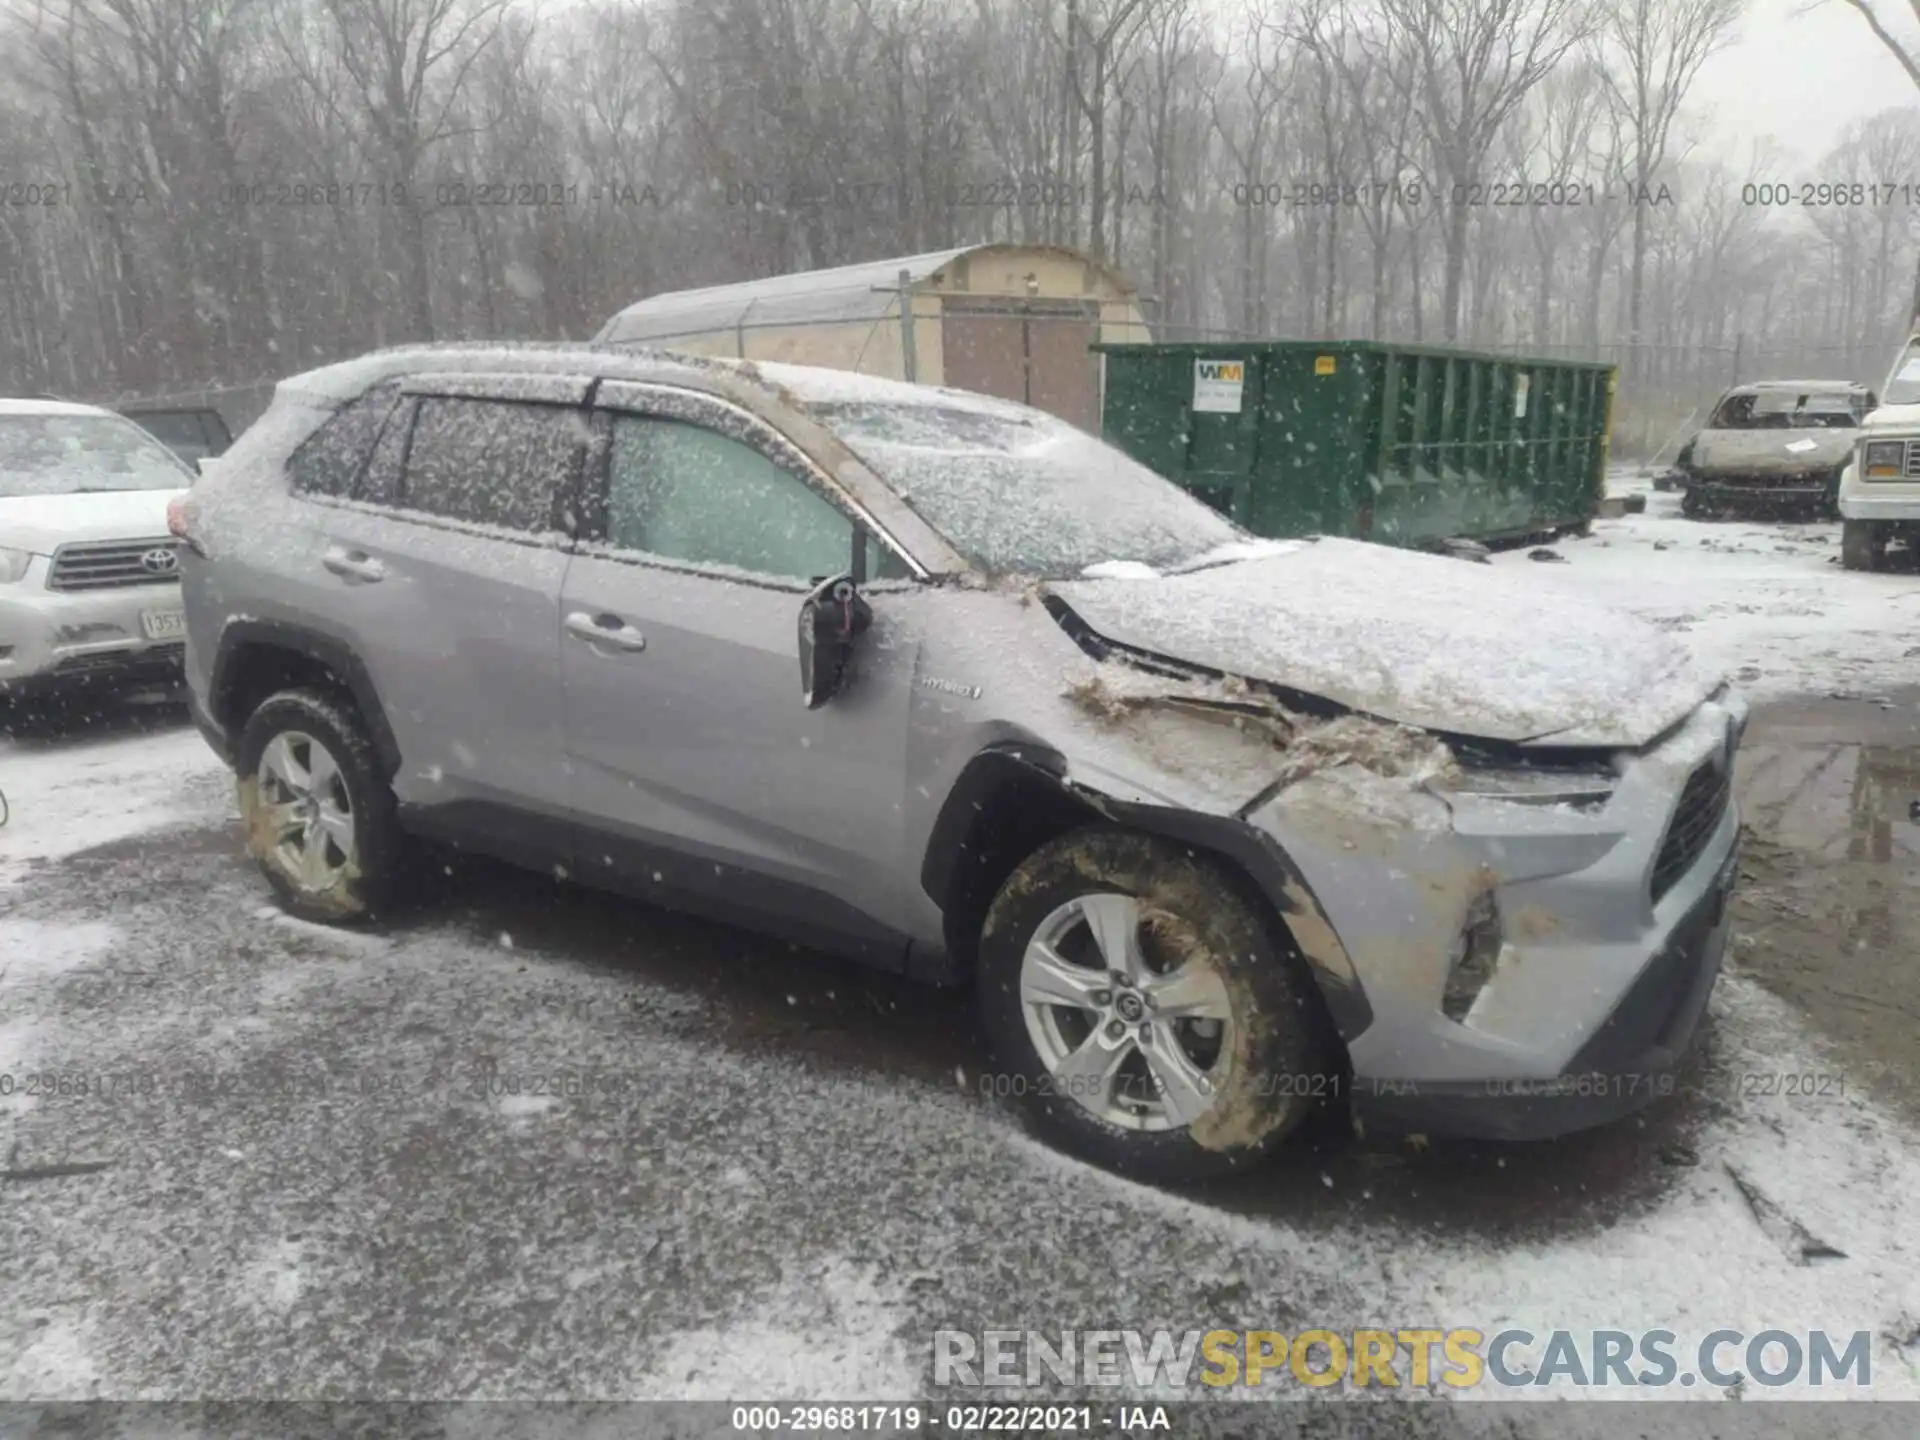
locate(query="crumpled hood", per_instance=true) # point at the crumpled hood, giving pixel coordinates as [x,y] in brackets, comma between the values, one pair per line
[1771,452]
[1420,639]
[43,523]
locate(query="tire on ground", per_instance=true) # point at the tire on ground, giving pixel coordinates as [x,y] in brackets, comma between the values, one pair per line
[1284,1059]
[364,889]
[1862,547]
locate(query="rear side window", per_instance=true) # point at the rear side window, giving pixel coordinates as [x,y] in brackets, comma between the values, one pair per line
[327,461]
[493,462]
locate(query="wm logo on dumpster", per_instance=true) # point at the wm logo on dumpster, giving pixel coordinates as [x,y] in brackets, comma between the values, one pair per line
[1223,371]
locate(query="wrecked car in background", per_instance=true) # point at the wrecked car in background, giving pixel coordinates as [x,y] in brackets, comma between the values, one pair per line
[1880,490]
[1221,830]
[1774,445]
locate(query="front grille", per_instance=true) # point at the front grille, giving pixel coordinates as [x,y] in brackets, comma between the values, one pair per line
[1913,461]
[108,564]
[1702,802]
[155,658]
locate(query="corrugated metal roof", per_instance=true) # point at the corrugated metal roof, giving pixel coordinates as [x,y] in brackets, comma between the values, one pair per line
[847,293]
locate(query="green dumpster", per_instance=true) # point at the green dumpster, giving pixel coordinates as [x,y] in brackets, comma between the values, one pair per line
[1402,444]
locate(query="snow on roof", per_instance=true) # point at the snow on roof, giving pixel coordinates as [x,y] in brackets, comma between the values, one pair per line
[818,385]
[1755,387]
[846,294]
[48,407]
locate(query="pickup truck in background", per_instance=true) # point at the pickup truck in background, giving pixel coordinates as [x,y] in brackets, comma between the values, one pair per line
[1880,485]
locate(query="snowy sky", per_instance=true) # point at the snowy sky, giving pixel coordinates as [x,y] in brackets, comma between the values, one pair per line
[1801,71]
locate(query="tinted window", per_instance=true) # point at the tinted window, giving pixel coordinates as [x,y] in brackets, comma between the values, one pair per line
[492,461]
[379,483]
[687,493]
[329,459]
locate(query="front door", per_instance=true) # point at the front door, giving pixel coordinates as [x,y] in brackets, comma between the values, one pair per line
[694,758]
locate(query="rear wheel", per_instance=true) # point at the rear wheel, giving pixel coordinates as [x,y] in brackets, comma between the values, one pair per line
[1146,1012]
[320,817]
[1863,545]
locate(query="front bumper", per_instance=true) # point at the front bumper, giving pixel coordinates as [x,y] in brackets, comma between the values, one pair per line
[1892,501]
[1633,1059]
[1610,936]
[50,638]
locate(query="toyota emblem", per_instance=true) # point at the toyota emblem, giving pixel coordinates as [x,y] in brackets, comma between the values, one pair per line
[160,561]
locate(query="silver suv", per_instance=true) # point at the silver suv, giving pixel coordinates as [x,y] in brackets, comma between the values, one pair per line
[1221,829]
[89,574]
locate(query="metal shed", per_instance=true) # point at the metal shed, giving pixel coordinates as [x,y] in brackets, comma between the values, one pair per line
[1014,321]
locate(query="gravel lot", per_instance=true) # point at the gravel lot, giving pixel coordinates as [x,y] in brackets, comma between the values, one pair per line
[291,1163]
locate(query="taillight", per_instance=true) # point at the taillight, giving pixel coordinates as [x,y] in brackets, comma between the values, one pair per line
[181,515]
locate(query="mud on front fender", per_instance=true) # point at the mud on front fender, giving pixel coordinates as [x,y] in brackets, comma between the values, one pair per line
[1255,855]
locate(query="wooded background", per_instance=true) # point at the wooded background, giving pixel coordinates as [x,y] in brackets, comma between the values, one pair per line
[215,192]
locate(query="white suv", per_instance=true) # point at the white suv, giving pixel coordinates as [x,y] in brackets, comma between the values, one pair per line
[89,575]
[1880,487]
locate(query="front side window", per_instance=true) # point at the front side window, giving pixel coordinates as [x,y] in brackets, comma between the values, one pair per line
[683,492]
[76,454]
[492,462]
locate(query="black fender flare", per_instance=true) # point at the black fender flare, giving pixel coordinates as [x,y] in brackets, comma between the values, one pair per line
[240,636]
[1247,849]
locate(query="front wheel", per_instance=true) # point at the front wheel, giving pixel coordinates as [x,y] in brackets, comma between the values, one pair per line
[1148,1014]
[1863,545]
[320,817]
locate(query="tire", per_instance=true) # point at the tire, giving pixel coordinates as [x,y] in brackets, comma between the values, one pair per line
[352,824]
[1862,545]
[1693,507]
[1251,1075]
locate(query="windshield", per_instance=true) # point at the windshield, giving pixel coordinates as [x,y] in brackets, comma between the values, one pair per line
[1791,410]
[75,454]
[1022,493]
[1904,387]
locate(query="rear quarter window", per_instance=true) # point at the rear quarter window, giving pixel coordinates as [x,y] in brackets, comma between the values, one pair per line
[327,462]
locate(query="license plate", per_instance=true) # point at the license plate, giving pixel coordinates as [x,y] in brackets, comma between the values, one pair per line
[164,624]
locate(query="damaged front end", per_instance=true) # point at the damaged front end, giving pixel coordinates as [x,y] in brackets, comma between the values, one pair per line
[1483,918]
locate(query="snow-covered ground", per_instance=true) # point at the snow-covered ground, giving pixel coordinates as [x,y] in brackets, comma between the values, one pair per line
[1766,601]
[795,1181]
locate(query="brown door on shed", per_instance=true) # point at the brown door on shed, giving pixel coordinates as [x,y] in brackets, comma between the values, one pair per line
[1033,351]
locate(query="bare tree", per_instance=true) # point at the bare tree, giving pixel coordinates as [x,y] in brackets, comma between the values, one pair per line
[1877,14]
[1472,63]
[406,63]
[1653,51]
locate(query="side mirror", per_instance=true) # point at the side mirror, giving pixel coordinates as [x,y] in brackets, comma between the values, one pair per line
[830,618]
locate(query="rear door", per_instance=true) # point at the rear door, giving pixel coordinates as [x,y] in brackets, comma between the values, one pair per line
[695,761]
[444,564]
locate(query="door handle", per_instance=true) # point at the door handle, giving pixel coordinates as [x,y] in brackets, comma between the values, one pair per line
[605,629]
[353,564]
